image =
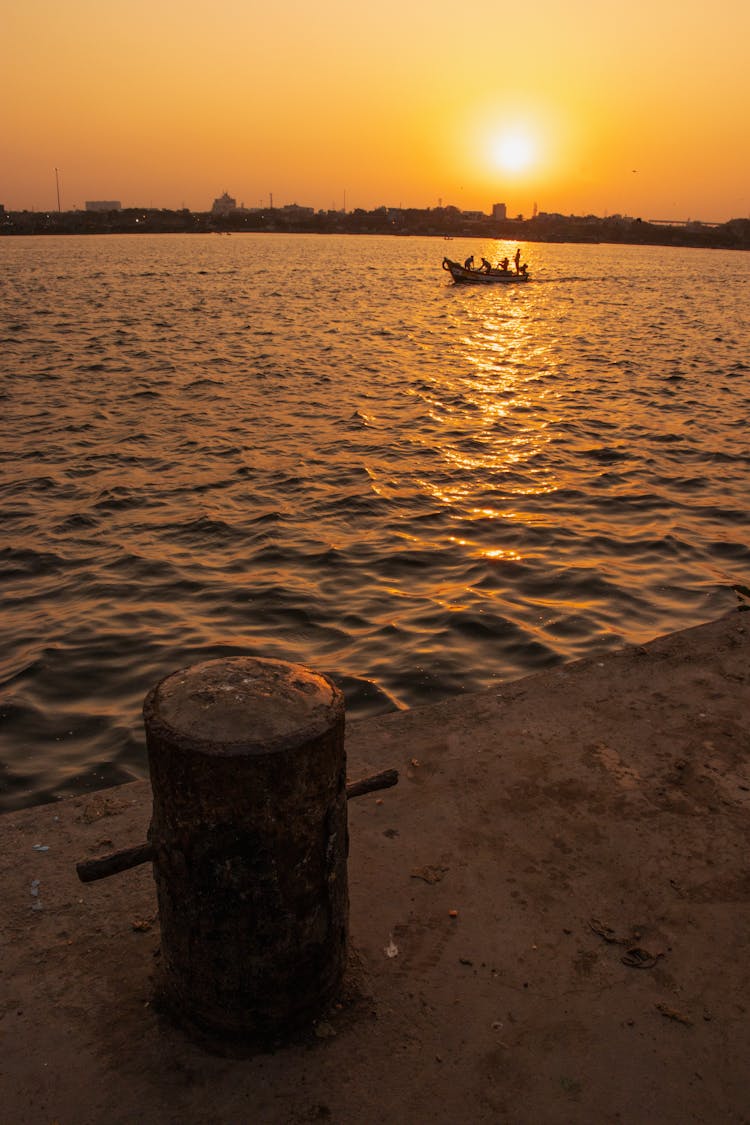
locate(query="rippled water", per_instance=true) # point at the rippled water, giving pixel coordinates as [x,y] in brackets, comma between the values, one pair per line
[320,449]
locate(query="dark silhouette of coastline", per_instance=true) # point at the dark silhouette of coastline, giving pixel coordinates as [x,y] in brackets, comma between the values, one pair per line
[438,221]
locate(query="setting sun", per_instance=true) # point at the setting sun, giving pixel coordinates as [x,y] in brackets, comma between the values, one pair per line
[514,151]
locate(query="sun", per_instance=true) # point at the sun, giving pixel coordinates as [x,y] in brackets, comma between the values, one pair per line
[514,150]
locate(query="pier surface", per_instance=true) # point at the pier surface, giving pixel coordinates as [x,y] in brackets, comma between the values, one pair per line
[550,922]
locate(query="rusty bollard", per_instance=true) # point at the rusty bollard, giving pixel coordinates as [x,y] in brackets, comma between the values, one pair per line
[249,845]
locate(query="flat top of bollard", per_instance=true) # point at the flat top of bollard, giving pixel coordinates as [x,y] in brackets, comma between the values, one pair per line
[246,702]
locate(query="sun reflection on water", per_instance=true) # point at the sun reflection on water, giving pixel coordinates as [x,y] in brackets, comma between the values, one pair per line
[500,554]
[496,421]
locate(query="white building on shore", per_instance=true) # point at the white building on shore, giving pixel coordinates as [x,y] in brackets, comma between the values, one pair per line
[224,205]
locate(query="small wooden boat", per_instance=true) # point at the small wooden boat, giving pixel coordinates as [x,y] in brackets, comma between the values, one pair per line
[483,276]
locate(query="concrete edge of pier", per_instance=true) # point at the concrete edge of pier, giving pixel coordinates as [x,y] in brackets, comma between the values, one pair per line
[550,921]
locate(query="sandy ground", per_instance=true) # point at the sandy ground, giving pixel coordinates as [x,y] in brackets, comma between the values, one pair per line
[588,825]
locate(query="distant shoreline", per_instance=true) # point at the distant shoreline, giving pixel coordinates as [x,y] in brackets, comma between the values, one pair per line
[446,223]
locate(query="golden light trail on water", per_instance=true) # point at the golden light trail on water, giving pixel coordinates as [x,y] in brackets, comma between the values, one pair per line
[501,388]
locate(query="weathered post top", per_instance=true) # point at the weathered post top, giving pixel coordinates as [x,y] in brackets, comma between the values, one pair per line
[244,705]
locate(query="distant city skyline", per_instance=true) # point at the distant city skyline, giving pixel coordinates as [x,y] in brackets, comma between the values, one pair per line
[496,210]
[620,110]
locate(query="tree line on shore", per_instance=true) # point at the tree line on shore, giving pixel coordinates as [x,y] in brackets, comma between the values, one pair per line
[440,221]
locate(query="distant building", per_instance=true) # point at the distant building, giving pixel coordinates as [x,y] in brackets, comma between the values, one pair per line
[473,215]
[294,211]
[103,205]
[499,211]
[224,205]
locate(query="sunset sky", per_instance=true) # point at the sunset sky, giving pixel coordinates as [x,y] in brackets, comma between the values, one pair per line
[641,109]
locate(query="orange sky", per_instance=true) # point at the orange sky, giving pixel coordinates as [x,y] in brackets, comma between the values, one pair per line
[629,108]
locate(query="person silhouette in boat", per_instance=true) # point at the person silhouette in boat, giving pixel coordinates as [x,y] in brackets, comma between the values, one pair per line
[486,266]
[517,259]
[469,263]
[504,265]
